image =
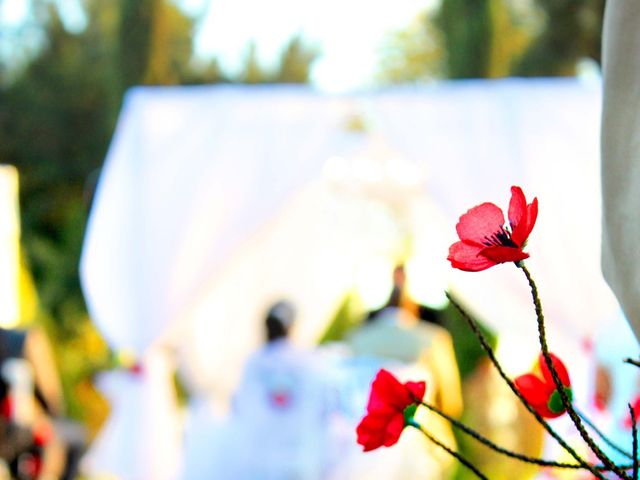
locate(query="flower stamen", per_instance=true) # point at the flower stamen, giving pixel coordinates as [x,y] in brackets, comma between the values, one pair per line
[501,238]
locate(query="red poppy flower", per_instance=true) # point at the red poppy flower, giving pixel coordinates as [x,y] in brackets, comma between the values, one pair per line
[485,241]
[628,423]
[391,405]
[541,393]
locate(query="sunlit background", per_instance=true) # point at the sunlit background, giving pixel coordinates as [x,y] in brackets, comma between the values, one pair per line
[66,67]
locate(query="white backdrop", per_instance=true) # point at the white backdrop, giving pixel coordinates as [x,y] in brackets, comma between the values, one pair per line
[215,201]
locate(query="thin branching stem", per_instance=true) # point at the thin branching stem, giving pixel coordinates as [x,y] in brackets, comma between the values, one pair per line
[518,456]
[489,351]
[632,362]
[451,452]
[604,438]
[566,402]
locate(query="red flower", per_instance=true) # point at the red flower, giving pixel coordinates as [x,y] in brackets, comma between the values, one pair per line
[391,405]
[541,393]
[484,239]
[6,407]
[628,423]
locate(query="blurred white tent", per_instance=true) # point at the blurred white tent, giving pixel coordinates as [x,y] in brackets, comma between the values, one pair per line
[215,201]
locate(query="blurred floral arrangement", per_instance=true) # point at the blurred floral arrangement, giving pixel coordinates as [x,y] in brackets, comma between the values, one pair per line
[486,240]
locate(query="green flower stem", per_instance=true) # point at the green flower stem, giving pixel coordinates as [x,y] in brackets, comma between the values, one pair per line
[566,403]
[489,351]
[518,456]
[590,424]
[451,452]
[634,432]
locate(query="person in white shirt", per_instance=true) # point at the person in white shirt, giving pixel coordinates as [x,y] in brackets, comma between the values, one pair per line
[279,411]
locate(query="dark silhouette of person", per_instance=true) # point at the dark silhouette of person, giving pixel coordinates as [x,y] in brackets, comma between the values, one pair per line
[400,298]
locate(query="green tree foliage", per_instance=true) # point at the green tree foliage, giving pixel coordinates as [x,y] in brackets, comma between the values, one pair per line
[453,43]
[56,119]
[572,31]
[294,65]
[252,71]
[467,37]
[412,54]
[134,39]
[155,43]
[55,123]
[483,39]
[494,38]
[295,62]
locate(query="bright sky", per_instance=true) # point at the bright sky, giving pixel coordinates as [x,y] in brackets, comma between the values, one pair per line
[348,33]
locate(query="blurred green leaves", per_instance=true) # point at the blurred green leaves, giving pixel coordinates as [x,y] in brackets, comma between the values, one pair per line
[494,38]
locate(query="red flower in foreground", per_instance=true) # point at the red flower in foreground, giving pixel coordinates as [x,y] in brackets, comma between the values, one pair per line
[628,423]
[541,393]
[484,239]
[391,405]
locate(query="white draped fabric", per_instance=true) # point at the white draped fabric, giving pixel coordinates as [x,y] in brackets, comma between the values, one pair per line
[620,152]
[216,201]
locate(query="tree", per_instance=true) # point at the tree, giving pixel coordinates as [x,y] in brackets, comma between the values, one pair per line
[294,65]
[467,37]
[412,54]
[572,31]
[295,62]
[253,71]
[463,39]
[155,43]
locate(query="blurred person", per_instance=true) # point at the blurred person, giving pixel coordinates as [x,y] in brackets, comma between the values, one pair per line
[32,400]
[396,332]
[395,338]
[279,410]
[399,297]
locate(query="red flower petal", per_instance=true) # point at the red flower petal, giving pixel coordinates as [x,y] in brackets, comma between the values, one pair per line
[532,216]
[534,390]
[387,391]
[480,222]
[376,430]
[384,422]
[635,405]
[370,431]
[416,390]
[546,413]
[499,254]
[560,368]
[517,211]
[522,217]
[536,393]
[465,256]
[394,430]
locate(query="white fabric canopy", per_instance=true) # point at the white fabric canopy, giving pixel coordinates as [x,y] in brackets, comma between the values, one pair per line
[216,201]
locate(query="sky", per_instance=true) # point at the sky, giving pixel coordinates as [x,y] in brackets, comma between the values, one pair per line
[348,33]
